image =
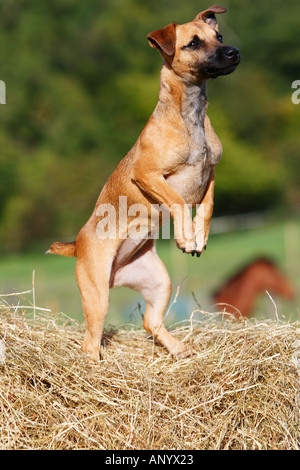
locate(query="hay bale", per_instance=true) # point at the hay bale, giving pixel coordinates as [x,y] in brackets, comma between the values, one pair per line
[239,391]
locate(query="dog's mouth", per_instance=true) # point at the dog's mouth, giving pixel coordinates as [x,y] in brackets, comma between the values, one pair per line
[214,72]
[224,62]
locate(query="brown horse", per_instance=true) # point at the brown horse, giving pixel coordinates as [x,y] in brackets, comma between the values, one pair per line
[237,296]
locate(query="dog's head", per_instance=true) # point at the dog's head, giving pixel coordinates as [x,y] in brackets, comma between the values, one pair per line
[195,50]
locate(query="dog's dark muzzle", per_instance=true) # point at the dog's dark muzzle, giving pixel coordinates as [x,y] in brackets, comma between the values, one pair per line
[224,61]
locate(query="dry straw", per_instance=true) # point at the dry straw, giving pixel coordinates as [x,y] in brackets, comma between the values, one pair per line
[240,390]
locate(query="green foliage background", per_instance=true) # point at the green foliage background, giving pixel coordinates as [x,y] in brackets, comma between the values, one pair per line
[82,81]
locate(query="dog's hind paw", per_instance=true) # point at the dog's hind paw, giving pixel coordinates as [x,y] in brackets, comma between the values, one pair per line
[182,351]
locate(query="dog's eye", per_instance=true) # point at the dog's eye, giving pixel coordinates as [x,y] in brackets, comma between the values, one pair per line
[195,43]
[220,37]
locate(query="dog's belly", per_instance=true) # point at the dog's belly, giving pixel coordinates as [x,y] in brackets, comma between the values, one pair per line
[190,182]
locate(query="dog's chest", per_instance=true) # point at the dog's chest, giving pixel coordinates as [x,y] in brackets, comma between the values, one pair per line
[197,145]
[191,178]
[198,151]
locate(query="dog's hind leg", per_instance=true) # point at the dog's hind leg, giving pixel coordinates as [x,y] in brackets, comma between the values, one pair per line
[146,273]
[92,276]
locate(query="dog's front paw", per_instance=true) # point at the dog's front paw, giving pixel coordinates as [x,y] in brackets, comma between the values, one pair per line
[187,246]
[193,248]
[201,237]
[201,246]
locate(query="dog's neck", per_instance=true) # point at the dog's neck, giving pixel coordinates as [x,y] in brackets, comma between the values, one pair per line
[193,105]
[189,100]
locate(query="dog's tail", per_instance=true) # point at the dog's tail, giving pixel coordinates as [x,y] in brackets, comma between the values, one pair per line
[64,249]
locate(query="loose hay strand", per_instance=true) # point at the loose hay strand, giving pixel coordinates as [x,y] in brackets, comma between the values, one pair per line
[239,391]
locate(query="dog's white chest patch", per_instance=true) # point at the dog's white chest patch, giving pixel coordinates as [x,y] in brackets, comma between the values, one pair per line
[198,146]
[193,113]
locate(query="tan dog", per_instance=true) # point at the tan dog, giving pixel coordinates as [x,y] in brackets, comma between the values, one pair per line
[171,164]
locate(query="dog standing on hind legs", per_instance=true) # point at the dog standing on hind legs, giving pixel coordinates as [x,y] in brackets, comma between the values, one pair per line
[171,165]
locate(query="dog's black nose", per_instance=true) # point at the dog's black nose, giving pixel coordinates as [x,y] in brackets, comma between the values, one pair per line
[232,53]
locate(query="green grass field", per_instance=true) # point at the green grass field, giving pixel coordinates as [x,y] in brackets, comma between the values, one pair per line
[55,287]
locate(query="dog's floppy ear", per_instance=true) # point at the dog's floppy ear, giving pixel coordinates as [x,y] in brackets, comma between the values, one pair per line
[164,40]
[208,16]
